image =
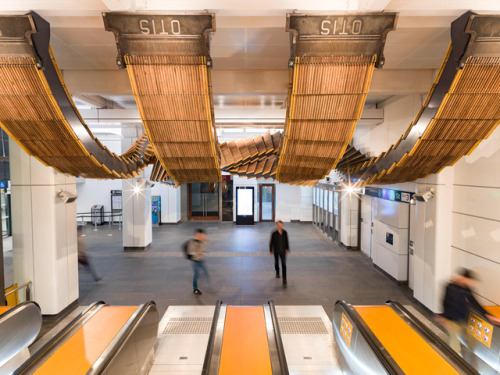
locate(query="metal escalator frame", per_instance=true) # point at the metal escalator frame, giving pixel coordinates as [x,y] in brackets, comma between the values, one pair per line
[19,337]
[276,349]
[378,349]
[118,343]
[452,357]
[214,347]
[37,359]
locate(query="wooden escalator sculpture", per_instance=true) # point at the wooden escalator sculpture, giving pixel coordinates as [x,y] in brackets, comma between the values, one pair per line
[332,62]
[167,59]
[462,108]
[37,111]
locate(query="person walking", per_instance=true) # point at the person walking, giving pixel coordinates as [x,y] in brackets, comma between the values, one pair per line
[83,258]
[458,302]
[279,246]
[196,250]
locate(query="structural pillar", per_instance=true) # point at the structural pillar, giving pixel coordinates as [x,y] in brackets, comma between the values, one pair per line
[136,210]
[43,231]
[432,244]
[137,226]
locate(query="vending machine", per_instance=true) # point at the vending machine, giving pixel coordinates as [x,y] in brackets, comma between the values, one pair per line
[156,209]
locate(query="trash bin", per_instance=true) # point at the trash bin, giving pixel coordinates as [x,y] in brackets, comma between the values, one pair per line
[97,214]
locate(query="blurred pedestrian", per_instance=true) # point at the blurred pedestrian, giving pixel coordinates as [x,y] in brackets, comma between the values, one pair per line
[196,251]
[83,258]
[279,246]
[458,302]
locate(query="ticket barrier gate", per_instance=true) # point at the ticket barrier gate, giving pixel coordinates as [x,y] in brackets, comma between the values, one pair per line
[388,339]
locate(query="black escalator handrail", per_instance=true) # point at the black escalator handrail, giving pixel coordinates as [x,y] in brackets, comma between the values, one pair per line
[116,345]
[461,365]
[211,340]
[33,362]
[279,342]
[378,349]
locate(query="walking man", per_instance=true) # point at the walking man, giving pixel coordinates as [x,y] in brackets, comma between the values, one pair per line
[196,249]
[279,245]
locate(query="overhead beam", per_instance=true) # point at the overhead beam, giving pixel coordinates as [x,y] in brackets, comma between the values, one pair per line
[116,82]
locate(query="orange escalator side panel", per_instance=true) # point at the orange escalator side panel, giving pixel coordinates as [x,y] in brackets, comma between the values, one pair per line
[245,349]
[410,351]
[493,310]
[77,355]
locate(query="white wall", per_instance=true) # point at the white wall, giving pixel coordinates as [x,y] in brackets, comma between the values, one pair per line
[170,202]
[475,241]
[432,232]
[92,191]
[293,203]
[399,112]
[390,218]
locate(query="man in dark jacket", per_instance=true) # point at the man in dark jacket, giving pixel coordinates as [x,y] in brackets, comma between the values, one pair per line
[279,245]
[457,304]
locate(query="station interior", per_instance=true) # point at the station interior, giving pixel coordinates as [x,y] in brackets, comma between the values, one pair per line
[159,158]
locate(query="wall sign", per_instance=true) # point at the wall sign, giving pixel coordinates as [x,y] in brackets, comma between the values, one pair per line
[480,329]
[346,330]
[3,184]
[389,194]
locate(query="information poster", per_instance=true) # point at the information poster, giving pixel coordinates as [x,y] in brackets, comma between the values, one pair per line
[480,329]
[346,330]
[245,202]
[336,203]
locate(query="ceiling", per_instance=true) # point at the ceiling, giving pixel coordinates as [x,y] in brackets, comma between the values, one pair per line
[250,48]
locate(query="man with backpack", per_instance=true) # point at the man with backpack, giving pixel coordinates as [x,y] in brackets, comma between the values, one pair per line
[195,250]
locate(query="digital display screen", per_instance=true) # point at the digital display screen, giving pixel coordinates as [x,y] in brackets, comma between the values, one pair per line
[245,202]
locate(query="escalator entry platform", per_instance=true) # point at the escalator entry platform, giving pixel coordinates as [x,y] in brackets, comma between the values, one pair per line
[242,340]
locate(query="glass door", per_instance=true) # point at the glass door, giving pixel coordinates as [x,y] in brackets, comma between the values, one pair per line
[266,202]
[204,201]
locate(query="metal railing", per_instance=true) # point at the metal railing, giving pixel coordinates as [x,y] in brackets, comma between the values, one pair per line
[109,215]
[26,285]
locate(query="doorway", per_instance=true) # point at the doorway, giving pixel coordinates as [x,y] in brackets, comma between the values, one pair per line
[267,197]
[204,201]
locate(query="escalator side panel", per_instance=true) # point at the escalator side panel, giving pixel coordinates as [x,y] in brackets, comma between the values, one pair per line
[80,351]
[353,352]
[412,353]
[245,348]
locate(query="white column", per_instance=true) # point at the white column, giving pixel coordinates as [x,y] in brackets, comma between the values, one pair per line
[349,218]
[432,245]
[136,198]
[137,228]
[44,231]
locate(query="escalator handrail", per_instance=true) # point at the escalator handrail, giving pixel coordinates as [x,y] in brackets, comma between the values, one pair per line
[14,309]
[279,342]
[211,339]
[116,344]
[378,349]
[36,359]
[432,339]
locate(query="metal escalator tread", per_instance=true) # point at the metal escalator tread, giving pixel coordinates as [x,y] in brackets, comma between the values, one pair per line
[83,348]
[245,348]
[411,352]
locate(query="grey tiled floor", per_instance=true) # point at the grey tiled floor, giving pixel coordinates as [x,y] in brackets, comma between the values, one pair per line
[242,273]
